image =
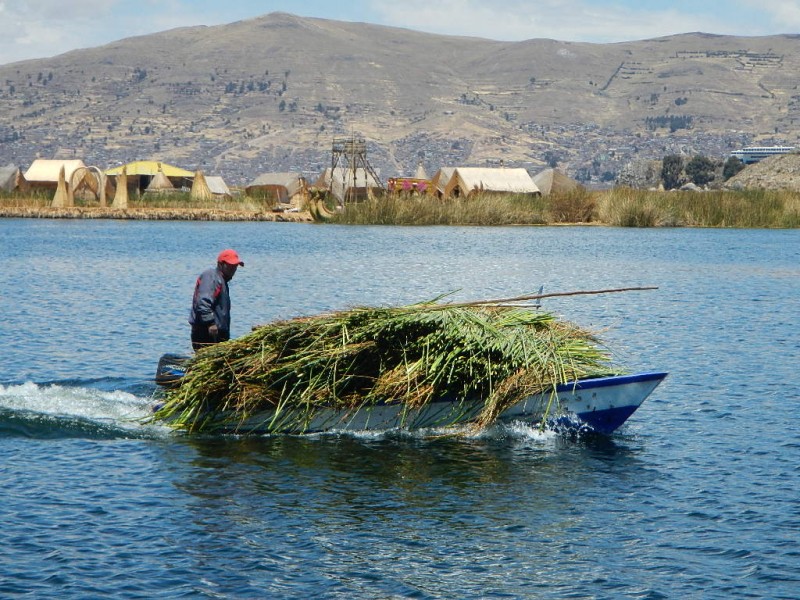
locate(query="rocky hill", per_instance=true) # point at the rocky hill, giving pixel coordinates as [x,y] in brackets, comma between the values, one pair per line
[271,93]
[775,172]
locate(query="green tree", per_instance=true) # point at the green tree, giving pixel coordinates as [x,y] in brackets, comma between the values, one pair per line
[671,169]
[731,167]
[700,170]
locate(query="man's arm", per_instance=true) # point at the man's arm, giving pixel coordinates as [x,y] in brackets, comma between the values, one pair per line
[206,292]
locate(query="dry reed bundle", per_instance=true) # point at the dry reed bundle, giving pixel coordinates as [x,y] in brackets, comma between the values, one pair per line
[350,359]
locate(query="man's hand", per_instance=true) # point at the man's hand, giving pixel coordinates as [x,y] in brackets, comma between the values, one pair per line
[213,331]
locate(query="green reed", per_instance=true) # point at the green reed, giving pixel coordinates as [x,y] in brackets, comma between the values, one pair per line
[754,208]
[287,372]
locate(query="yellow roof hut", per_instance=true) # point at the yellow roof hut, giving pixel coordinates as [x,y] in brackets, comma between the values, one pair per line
[141,173]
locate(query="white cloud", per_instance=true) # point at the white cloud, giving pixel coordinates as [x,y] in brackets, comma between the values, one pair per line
[56,9]
[43,28]
[40,28]
[784,15]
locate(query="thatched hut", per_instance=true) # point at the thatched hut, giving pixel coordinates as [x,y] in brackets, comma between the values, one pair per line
[218,188]
[11,178]
[552,181]
[44,173]
[160,183]
[200,190]
[140,175]
[284,188]
[466,181]
[440,179]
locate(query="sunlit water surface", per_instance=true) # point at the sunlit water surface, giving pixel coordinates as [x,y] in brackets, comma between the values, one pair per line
[695,497]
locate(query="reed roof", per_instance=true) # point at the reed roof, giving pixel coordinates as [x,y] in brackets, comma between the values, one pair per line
[44,170]
[553,181]
[477,179]
[205,187]
[160,182]
[292,182]
[150,168]
[9,175]
[217,185]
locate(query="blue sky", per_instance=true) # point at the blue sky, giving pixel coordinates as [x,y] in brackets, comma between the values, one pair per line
[42,28]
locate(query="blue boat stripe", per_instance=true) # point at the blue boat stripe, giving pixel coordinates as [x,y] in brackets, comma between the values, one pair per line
[607,421]
[587,384]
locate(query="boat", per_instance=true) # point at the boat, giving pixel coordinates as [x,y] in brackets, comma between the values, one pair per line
[599,405]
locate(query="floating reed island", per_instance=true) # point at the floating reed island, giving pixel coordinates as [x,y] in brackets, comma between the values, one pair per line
[283,375]
[150,214]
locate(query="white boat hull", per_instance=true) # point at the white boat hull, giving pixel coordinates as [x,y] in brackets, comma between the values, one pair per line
[600,405]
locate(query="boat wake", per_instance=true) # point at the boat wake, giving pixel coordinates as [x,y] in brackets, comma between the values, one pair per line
[75,409]
[117,408]
[515,430]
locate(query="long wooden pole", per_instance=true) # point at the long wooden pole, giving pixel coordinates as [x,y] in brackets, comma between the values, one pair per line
[552,295]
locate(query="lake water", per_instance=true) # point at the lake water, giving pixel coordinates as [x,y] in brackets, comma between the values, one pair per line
[697,496]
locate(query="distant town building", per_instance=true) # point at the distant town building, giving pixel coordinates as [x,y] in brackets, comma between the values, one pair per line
[753,154]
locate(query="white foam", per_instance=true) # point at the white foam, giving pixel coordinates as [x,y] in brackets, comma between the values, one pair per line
[514,430]
[120,408]
[531,432]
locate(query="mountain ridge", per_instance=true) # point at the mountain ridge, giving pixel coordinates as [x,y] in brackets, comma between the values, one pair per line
[270,93]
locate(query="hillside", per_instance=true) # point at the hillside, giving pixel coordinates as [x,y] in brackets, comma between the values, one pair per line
[269,94]
[775,172]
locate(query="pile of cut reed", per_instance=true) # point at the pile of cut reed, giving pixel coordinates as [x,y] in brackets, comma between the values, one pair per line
[355,358]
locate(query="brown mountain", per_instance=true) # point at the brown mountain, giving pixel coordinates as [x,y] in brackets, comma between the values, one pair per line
[271,93]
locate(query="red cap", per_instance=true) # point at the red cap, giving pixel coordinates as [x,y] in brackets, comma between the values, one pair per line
[229,256]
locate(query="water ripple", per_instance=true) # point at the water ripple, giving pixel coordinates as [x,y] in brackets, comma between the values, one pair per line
[695,497]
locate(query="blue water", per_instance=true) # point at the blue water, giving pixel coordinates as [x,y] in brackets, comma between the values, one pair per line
[697,496]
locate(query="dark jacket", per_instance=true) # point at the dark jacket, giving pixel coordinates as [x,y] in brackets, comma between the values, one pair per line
[211,302]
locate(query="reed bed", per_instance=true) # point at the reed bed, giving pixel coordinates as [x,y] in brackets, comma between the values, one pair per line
[619,207]
[478,209]
[184,200]
[171,200]
[357,358]
[173,206]
[578,205]
[754,208]
[32,200]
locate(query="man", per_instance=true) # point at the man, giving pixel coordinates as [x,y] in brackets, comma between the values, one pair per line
[211,305]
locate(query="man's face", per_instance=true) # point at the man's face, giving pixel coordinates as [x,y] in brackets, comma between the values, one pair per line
[228,270]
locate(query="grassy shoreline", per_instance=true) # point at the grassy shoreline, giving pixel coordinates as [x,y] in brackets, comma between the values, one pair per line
[150,214]
[172,207]
[617,207]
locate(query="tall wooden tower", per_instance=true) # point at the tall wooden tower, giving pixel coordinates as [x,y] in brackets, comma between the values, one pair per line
[350,154]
